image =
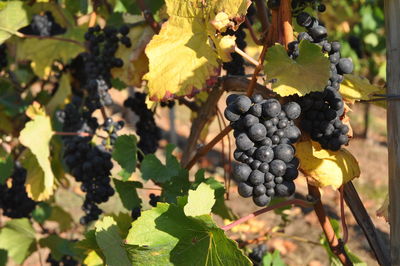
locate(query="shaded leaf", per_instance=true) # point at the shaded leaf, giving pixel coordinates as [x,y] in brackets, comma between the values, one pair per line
[42,212]
[127,193]
[324,167]
[125,153]
[308,73]
[63,218]
[6,168]
[355,88]
[110,242]
[62,93]
[59,246]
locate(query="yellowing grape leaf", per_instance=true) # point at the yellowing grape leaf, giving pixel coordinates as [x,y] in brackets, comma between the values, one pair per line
[181,56]
[225,46]
[135,60]
[35,109]
[383,211]
[63,91]
[43,52]
[200,201]
[36,136]
[308,73]
[324,167]
[221,21]
[12,18]
[356,88]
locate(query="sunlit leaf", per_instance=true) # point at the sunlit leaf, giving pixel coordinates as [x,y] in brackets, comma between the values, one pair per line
[200,201]
[355,88]
[12,18]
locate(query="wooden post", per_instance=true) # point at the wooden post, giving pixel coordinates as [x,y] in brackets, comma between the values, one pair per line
[392,25]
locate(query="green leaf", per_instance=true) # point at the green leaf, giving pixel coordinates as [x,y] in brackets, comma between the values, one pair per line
[308,73]
[6,168]
[140,255]
[125,153]
[110,242]
[187,240]
[36,136]
[12,18]
[124,222]
[128,194]
[200,201]
[43,52]
[42,212]
[3,257]
[63,218]
[59,246]
[18,238]
[62,93]
[152,168]
[118,84]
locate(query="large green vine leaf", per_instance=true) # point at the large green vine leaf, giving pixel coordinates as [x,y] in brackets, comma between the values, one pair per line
[36,136]
[12,18]
[181,57]
[308,73]
[167,231]
[200,201]
[43,52]
[124,153]
[18,238]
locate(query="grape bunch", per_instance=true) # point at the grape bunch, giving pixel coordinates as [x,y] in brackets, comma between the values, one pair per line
[154,199]
[14,200]
[264,131]
[322,111]
[112,128]
[257,254]
[88,163]
[66,260]
[43,25]
[3,56]
[146,127]
[236,65]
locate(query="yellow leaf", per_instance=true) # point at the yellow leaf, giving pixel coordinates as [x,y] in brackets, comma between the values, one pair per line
[383,211]
[221,21]
[34,110]
[93,259]
[135,60]
[324,167]
[36,136]
[225,46]
[308,73]
[355,88]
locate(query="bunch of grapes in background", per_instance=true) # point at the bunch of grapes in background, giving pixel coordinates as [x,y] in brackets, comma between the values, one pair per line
[265,132]
[43,25]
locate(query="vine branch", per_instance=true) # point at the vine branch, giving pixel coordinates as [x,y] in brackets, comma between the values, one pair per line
[148,16]
[336,246]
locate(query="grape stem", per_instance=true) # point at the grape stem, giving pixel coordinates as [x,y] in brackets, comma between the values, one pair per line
[148,16]
[246,56]
[343,217]
[336,246]
[267,209]
[262,14]
[82,134]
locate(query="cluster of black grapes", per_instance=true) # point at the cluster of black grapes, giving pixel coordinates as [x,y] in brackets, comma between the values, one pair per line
[43,25]
[257,254]
[146,127]
[137,211]
[322,110]
[14,200]
[264,131]
[65,261]
[112,128]
[99,60]
[3,56]
[88,163]
[154,199]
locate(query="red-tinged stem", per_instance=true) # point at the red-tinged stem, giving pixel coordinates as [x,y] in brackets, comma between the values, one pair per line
[267,209]
[82,134]
[257,70]
[148,16]
[342,216]
[336,246]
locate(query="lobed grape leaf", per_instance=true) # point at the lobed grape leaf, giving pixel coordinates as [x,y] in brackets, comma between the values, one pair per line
[308,73]
[200,201]
[324,167]
[18,238]
[12,18]
[187,240]
[355,88]
[127,193]
[125,153]
[181,57]
[135,60]
[43,52]
[62,93]
[6,168]
[36,136]
[110,242]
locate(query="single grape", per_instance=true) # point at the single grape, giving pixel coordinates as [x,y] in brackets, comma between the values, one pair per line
[264,154]
[271,108]
[241,104]
[262,200]
[277,167]
[284,152]
[243,142]
[292,110]
[245,190]
[256,177]
[257,132]
[285,189]
[241,172]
